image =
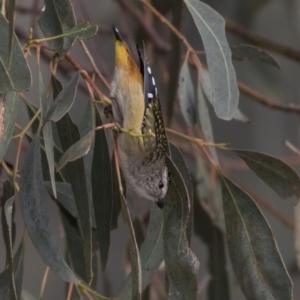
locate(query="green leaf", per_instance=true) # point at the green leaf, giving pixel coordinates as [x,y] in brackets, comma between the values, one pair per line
[253,251]
[181,263]
[211,27]
[47,132]
[64,100]
[152,252]
[210,234]
[249,52]
[14,76]
[35,213]
[275,173]
[18,273]
[102,190]
[69,135]
[186,95]
[65,196]
[11,19]
[76,151]
[8,114]
[58,18]
[207,90]
[82,31]
[178,160]
[8,199]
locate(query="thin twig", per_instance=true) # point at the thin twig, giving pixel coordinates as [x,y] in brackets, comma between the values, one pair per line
[262,41]
[292,108]
[159,42]
[45,277]
[93,64]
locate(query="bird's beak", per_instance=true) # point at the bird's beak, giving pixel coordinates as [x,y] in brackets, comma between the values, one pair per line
[160,203]
[117,34]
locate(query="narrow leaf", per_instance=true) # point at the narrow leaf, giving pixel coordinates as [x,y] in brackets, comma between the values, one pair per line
[69,135]
[102,190]
[18,272]
[11,19]
[14,76]
[253,251]
[35,213]
[7,219]
[82,31]
[76,151]
[274,172]
[181,264]
[249,52]
[210,234]
[64,100]
[57,18]
[152,252]
[207,90]
[186,95]
[8,114]
[211,27]
[47,132]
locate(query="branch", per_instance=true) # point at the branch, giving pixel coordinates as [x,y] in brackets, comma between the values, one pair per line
[262,41]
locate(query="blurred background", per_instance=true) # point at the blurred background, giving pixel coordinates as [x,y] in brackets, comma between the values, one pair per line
[267,131]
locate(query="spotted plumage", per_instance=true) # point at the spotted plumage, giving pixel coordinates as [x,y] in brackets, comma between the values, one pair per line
[142,144]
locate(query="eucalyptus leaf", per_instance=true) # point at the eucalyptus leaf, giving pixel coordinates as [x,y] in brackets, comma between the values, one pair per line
[211,27]
[76,151]
[47,132]
[11,20]
[64,100]
[102,191]
[252,249]
[82,31]
[57,18]
[152,252]
[8,114]
[18,275]
[181,263]
[207,90]
[69,135]
[186,95]
[14,73]
[8,199]
[274,172]
[249,52]
[35,213]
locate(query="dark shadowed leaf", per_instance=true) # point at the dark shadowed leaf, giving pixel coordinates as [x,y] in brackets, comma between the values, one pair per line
[11,20]
[64,100]
[211,27]
[249,52]
[273,171]
[47,132]
[35,213]
[14,76]
[186,95]
[152,252]
[76,151]
[9,104]
[102,190]
[18,273]
[181,263]
[180,164]
[69,135]
[207,90]
[7,203]
[82,31]
[210,234]
[253,251]
[58,18]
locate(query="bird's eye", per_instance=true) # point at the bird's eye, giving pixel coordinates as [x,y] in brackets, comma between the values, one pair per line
[161,185]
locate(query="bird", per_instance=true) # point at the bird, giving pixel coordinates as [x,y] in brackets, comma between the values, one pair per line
[141,138]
